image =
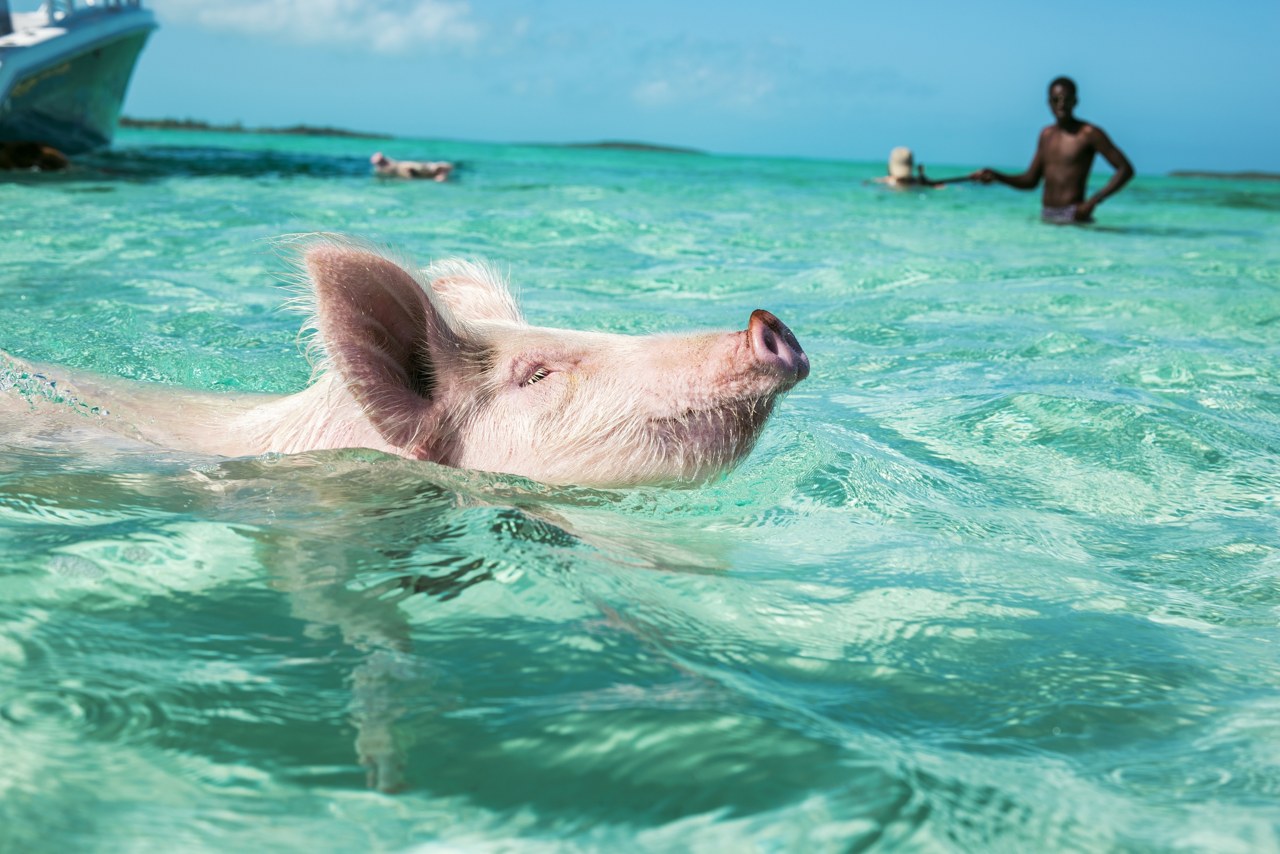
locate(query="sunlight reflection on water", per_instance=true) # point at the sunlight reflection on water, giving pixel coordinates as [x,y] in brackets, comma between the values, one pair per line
[1000,574]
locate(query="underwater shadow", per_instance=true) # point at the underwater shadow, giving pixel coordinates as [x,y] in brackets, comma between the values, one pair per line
[1170,231]
[203,161]
[160,162]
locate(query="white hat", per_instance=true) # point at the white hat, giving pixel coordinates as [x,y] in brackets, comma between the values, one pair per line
[900,162]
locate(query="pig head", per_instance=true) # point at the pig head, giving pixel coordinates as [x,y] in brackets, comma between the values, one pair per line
[444,368]
[441,366]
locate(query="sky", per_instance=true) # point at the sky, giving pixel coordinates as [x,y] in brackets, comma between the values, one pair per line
[1179,84]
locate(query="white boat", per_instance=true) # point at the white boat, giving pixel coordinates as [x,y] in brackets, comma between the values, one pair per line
[64,70]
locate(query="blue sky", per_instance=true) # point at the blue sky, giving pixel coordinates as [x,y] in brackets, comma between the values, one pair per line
[1176,84]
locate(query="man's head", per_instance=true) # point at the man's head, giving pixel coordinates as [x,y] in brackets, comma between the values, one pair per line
[1062,97]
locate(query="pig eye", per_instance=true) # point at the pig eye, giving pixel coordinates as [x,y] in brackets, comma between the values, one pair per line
[539,374]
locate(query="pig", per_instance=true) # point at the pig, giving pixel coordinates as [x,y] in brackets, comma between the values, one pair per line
[436,170]
[32,157]
[442,366]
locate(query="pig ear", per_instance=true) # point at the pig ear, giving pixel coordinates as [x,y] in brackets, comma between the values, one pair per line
[472,291]
[376,325]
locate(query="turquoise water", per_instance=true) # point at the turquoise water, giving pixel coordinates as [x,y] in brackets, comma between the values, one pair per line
[1002,574]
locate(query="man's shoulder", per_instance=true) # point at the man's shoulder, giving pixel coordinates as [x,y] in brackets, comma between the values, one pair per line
[1091,129]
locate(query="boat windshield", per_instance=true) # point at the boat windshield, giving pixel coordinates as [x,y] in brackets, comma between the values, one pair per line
[28,13]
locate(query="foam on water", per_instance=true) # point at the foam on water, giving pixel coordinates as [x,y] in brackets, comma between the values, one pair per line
[1002,573]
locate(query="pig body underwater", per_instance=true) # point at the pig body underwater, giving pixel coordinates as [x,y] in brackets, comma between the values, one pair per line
[443,367]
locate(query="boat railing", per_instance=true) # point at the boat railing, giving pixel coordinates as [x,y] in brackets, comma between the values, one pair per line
[26,14]
[57,10]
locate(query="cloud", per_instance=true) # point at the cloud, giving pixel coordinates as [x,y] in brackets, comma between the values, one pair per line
[385,26]
[695,82]
[758,77]
[694,71]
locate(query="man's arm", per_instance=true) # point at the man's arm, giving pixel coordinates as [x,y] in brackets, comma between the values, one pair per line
[1120,163]
[921,179]
[1028,180]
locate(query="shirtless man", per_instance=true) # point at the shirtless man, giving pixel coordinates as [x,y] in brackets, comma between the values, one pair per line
[1063,158]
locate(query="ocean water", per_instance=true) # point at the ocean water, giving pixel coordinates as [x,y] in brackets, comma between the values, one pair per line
[1003,574]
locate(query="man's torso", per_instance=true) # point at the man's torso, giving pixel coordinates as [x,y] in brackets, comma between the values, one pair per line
[1067,156]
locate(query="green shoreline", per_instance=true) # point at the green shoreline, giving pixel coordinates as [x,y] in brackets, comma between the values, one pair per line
[197,125]
[311,130]
[622,145]
[1233,176]
[617,145]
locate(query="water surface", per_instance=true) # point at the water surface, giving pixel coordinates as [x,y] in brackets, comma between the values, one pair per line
[1002,574]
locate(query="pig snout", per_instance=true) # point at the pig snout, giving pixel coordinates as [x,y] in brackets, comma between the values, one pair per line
[775,346]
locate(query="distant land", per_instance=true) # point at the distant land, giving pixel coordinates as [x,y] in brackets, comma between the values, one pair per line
[632,146]
[1234,176]
[615,144]
[310,130]
[293,130]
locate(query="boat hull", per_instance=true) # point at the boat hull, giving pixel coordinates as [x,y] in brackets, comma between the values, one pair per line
[72,100]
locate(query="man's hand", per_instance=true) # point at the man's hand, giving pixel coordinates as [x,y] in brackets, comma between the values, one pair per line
[1084,211]
[984,176]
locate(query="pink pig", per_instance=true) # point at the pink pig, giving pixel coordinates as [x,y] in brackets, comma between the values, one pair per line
[443,367]
[436,170]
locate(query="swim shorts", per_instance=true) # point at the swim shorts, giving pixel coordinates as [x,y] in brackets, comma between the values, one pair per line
[1064,215]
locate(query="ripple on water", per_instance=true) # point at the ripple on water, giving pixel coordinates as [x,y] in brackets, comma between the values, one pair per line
[1000,575]
[75,567]
[99,711]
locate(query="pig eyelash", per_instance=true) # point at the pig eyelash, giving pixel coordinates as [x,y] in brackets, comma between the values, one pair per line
[538,374]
